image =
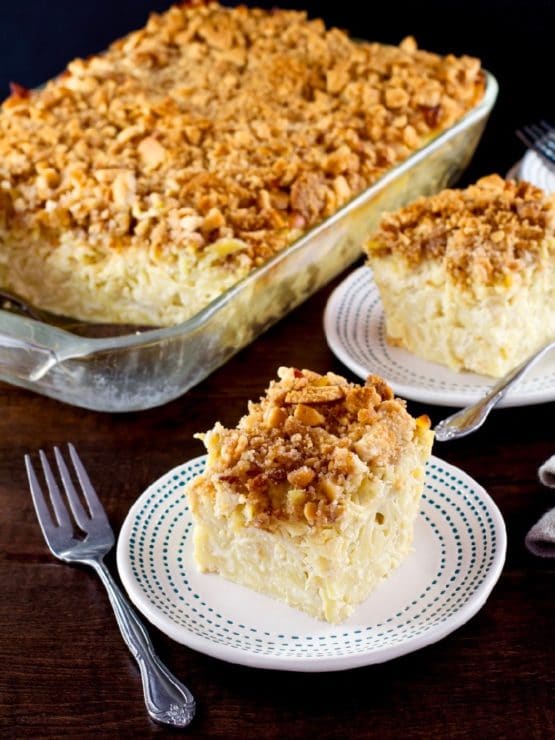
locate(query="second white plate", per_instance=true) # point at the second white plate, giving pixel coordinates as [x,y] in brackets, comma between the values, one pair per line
[458,554]
[354,324]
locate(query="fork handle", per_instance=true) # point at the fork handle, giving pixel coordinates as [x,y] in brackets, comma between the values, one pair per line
[167,700]
[472,417]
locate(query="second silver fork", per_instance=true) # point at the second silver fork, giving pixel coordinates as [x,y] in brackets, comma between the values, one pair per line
[167,700]
[472,417]
[540,137]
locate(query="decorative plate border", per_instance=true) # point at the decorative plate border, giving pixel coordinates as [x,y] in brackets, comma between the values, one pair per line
[461,530]
[354,325]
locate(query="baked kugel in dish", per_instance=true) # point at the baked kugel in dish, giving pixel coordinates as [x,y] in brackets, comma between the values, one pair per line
[143,182]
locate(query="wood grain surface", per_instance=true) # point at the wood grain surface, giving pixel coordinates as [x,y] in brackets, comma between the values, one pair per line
[65,671]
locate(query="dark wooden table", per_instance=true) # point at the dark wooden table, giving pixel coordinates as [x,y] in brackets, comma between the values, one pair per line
[66,672]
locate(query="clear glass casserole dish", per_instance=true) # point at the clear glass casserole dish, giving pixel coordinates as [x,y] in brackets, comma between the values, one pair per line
[145,369]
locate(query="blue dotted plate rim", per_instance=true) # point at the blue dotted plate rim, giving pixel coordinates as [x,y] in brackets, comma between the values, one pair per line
[348,305]
[147,593]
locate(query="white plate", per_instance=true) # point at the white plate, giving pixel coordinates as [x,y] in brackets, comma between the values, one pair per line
[459,551]
[354,324]
[537,170]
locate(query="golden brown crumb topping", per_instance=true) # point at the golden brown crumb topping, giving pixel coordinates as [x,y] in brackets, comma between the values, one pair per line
[298,452]
[482,234]
[215,123]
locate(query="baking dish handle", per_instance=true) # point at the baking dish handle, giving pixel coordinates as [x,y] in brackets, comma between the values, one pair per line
[25,359]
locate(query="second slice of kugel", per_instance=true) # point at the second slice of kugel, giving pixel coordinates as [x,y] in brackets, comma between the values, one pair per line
[467,277]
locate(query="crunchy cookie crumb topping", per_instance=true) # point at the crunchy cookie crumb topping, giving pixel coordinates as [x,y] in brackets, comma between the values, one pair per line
[211,126]
[294,454]
[482,233]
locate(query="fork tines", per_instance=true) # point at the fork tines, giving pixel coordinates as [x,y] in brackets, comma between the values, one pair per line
[540,137]
[60,526]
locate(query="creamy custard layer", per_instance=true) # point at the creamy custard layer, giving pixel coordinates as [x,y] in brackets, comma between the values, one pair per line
[327,571]
[430,315]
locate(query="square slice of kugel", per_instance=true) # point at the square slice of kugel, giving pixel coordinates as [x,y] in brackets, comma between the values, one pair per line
[312,498]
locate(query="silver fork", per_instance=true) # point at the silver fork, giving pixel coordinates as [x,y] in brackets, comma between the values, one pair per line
[167,700]
[539,136]
[472,417]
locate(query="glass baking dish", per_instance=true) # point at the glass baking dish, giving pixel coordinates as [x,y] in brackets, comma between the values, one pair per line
[145,369]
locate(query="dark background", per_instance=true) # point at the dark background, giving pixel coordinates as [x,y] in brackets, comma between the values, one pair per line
[513,39]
